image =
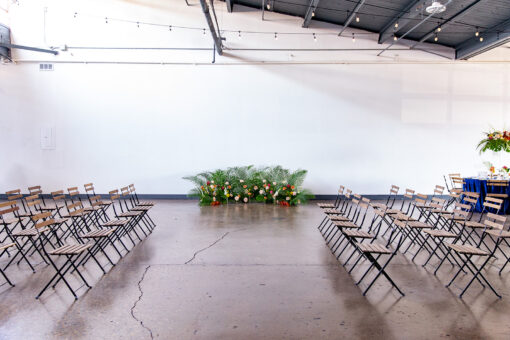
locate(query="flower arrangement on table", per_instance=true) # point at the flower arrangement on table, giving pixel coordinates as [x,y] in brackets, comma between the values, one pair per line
[495,141]
[249,184]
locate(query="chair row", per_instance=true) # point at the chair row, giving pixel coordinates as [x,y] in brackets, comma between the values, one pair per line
[443,229]
[67,231]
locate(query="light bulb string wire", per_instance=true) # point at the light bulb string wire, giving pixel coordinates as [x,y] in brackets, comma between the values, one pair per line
[196,28]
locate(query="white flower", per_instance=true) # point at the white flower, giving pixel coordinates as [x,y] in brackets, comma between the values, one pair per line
[255,187]
[226,183]
[276,193]
[261,192]
[225,192]
[212,186]
[212,181]
[288,198]
[245,199]
[264,181]
[241,181]
[246,191]
[274,183]
[294,193]
[237,198]
[214,198]
[284,182]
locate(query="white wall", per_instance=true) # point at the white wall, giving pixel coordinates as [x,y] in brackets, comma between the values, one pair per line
[405,119]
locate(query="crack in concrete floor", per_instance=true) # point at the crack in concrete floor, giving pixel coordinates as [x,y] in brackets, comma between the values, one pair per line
[139,299]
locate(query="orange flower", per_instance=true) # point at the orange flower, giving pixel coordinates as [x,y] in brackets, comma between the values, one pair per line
[492,169]
[292,187]
[284,188]
[245,186]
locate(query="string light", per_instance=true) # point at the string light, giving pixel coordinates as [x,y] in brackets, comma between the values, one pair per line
[75,14]
[170,27]
[396,24]
[313,13]
[314,38]
[477,32]
[481,39]
[275,36]
[239,35]
[439,29]
[106,20]
[268,6]
[357,18]
[435,37]
[395,37]
[203,31]
[137,24]
[353,38]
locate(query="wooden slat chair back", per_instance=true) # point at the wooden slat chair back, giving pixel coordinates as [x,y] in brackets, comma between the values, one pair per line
[16,195]
[497,188]
[438,190]
[458,185]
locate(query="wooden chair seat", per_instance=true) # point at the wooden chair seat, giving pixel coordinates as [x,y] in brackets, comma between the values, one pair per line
[92,208]
[47,208]
[70,249]
[393,211]
[80,214]
[332,212]
[5,246]
[61,220]
[467,249]
[9,220]
[403,217]
[339,218]
[107,202]
[99,233]
[326,205]
[440,233]
[358,234]
[497,233]
[115,223]
[373,248]
[142,208]
[345,224]
[28,232]
[152,203]
[473,224]
[130,213]
[457,190]
[418,224]
[378,205]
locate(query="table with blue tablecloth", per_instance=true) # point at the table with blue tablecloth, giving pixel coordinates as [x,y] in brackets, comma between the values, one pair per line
[479,185]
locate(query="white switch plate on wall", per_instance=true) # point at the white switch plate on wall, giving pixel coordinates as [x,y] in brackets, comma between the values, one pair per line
[48,140]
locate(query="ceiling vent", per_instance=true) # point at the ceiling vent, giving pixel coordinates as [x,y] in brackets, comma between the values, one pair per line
[45,67]
[435,8]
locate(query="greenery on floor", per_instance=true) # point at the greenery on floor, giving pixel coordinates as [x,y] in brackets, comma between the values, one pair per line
[247,184]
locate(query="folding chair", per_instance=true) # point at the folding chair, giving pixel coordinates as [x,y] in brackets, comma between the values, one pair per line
[133,217]
[332,205]
[498,237]
[138,202]
[105,204]
[466,252]
[131,205]
[335,212]
[497,189]
[3,250]
[70,252]
[373,253]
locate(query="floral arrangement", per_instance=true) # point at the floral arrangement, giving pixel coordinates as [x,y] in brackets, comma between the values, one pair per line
[495,141]
[249,184]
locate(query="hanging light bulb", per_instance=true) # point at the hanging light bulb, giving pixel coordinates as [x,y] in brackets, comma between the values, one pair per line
[357,18]
[439,29]
[138,24]
[314,38]
[481,39]
[313,13]
[477,32]
[396,24]
[203,32]
[275,36]
[75,14]
[353,38]
[395,37]
[436,38]
[268,6]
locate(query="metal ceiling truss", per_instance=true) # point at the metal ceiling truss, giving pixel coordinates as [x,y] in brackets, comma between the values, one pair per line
[492,37]
[310,12]
[413,9]
[215,34]
[351,17]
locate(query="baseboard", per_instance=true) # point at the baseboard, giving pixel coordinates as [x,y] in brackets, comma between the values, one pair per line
[186,197]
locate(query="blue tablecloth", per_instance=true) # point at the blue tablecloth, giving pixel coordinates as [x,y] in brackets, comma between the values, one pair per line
[480,186]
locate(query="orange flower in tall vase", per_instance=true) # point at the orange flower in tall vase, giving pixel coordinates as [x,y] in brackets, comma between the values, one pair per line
[492,169]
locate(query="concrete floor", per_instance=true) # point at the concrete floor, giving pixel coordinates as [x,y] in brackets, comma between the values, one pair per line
[247,272]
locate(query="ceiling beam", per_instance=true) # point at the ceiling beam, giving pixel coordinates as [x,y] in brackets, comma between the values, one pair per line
[447,22]
[230,5]
[408,13]
[29,48]
[215,36]
[492,38]
[352,16]
[312,6]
